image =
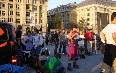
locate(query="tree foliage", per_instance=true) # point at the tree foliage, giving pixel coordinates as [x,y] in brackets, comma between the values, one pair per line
[73,16]
[82,24]
[57,21]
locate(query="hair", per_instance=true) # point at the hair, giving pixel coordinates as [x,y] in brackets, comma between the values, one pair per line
[74,26]
[46,52]
[58,56]
[28,32]
[113,16]
[36,30]
[19,27]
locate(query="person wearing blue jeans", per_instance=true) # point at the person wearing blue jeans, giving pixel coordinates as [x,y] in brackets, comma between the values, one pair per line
[62,45]
[37,41]
[38,49]
[62,42]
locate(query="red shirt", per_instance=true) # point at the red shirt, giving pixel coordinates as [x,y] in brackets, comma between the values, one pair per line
[89,36]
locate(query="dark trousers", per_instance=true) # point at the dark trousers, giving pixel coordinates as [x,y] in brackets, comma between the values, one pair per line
[62,45]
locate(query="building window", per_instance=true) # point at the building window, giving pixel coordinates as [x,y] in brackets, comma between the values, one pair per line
[40,7]
[18,13]
[11,0]
[18,1]
[10,6]
[88,19]
[104,9]
[27,13]
[17,6]
[35,21]
[10,19]
[34,1]
[27,21]
[41,15]
[88,9]
[3,5]
[95,8]
[41,1]
[88,24]
[88,14]
[27,6]
[10,13]
[17,20]
[35,14]
[28,1]
[3,13]
[41,21]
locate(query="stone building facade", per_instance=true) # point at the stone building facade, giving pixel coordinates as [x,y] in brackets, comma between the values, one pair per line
[17,12]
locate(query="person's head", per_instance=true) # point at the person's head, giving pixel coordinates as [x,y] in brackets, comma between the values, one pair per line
[36,31]
[74,27]
[113,17]
[19,27]
[45,52]
[63,30]
[88,30]
[57,55]
[81,32]
[28,32]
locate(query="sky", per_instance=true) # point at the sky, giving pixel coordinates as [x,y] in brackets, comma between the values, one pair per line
[54,3]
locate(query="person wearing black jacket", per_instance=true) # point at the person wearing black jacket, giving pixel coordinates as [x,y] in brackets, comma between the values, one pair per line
[56,41]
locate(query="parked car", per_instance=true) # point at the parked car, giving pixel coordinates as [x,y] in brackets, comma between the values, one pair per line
[7,44]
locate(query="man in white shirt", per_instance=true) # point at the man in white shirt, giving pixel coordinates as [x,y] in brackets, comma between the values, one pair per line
[108,36]
[37,41]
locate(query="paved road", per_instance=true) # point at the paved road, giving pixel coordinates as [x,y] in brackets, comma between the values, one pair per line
[92,64]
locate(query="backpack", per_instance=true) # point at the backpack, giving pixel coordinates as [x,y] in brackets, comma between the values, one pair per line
[9,68]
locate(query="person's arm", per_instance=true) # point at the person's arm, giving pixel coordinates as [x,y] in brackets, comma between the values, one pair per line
[71,36]
[41,40]
[102,36]
[114,36]
[103,39]
[18,34]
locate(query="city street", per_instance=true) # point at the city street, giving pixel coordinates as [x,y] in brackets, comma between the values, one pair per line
[92,64]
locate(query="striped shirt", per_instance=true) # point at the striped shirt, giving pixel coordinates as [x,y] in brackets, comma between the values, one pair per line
[108,30]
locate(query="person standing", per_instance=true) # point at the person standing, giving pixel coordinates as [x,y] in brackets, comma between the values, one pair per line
[73,47]
[47,38]
[18,36]
[108,38]
[37,42]
[89,38]
[56,41]
[81,46]
[62,42]
[28,41]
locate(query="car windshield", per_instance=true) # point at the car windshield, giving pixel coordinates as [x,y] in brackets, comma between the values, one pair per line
[4,35]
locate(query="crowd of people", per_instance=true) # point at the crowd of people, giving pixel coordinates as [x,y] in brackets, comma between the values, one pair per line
[78,42]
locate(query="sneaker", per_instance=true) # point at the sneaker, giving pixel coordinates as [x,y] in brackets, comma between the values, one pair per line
[75,66]
[69,68]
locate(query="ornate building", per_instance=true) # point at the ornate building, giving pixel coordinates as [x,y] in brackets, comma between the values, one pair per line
[67,12]
[18,12]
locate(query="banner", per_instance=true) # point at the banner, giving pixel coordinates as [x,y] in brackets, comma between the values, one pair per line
[32,18]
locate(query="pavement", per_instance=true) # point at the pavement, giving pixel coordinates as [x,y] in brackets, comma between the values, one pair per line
[91,64]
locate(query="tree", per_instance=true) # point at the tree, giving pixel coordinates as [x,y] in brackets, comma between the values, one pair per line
[82,24]
[57,21]
[73,16]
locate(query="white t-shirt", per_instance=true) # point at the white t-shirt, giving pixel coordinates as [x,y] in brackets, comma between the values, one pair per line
[82,41]
[108,30]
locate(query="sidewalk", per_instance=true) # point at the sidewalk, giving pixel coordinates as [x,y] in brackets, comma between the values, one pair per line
[91,64]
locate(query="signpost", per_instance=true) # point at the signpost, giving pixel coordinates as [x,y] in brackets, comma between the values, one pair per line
[32,18]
